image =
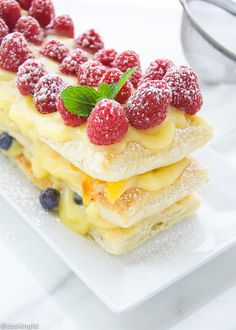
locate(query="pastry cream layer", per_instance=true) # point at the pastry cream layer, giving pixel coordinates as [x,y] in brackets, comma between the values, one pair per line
[20,113]
[46,163]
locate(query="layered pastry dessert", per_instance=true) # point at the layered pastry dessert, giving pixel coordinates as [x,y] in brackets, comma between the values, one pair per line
[107,144]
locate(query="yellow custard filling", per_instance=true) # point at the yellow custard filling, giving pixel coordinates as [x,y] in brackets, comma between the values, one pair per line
[79,218]
[19,111]
[47,163]
[150,181]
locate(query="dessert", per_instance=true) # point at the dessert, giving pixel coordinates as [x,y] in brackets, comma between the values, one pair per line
[107,144]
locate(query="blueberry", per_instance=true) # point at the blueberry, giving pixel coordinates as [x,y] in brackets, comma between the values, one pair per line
[5,141]
[49,199]
[78,199]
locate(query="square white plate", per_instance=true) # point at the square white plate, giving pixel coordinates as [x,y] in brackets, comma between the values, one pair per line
[126,281]
[122,282]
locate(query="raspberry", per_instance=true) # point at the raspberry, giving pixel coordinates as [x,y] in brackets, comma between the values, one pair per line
[14,51]
[136,77]
[4,30]
[71,63]
[90,73]
[69,118]
[112,76]
[47,91]
[90,41]
[43,11]
[28,75]
[186,93]
[105,56]
[148,106]
[1,8]
[10,12]
[127,60]
[107,123]
[30,28]
[55,50]
[63,26]
[157,69]
[25,4]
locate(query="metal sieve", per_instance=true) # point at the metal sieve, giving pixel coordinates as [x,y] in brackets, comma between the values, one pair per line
[208,35]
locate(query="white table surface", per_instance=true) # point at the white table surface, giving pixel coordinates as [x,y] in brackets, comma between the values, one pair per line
[37,287]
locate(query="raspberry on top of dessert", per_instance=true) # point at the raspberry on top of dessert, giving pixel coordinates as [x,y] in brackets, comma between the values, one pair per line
[112,92]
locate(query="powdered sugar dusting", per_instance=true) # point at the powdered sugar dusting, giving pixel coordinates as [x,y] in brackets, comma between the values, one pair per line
[43,11]
[62,25]
[90,73]
[107,123]
[157,69]
[47,91]
[112,76]
[71,63]
[186,93]
[4,30]
[30,28]
[105,56]
[55,50]
[90,41]
[127,60]
[14,51]
[148,106]
[28,75]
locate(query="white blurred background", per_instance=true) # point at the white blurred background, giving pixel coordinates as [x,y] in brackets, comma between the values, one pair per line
[132,24]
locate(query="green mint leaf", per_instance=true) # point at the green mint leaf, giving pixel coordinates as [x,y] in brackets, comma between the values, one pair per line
[80,100]
[117,86]
[105,90]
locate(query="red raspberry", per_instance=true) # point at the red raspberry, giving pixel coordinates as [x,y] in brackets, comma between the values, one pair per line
[28,75]
[1,8]
[136,77]
[43,11]
[25,4]
[4,30]
[14,51]
[148,106]
[90,41]
[107,123]
[186,93]
[71,63]
[90,73]
[47,91]
[127,60]
[157,69]
[112,76]
[30,28]
[105,56]
[55,50]
[69,118]
[10,12]
[63,26]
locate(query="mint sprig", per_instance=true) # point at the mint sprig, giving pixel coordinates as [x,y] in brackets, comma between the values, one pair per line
[81,100]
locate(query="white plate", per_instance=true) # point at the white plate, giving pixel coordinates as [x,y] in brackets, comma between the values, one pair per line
[126,281]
